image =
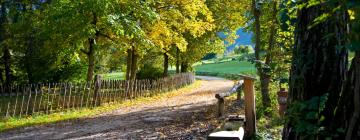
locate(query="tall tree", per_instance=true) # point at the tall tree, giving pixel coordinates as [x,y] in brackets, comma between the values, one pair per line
[264,77]
[225,20]
[177,18]
[5,47]
[93,23]
[324,93]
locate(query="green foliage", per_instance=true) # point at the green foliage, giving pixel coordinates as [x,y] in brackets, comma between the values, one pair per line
[269,123]
[209,56]
[50,41]
[306,117]
[149,72]
[243,49]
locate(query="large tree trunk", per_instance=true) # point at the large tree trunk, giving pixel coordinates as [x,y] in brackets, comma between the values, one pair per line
[91,59]
[128,64]
[166,65]
[350,111]
[318,66]
[264,77]
[133,64]
[177,60]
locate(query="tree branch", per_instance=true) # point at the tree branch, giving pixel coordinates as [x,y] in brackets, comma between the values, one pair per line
[107,36]
[84,51]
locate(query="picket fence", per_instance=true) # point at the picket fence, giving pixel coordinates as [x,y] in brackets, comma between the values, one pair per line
[30,99]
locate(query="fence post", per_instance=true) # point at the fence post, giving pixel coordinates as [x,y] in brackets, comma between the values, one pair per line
[221,105]
[97,87]
[250,112]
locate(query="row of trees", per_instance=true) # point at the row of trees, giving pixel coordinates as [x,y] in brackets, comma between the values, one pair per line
[61,40]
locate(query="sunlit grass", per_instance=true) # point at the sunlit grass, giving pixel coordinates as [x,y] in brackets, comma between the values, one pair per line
[228,67]
[15,122]
[113,76]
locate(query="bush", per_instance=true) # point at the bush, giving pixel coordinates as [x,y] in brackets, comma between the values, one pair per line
[149,71]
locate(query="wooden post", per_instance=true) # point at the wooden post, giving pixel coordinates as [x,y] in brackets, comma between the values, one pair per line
[250,113]
[16,100]
[221,105]
[69,99]
[34,105]
[97,87]
[88,87]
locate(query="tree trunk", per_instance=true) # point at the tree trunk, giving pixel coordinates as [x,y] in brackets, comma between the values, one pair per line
[128,64]
[166,65]
[272,33]
[184,67]
[264,77]
[29,54]
[177,60]
[256,13]
[1,76]
[6,50]
[133,64]
[91,59]
[348,110]
[318,66]
[352,120]
[28,66]
[7,65]
[91,52]
[265,93]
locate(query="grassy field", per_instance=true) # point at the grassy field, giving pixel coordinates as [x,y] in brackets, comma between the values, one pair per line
[225,65]
[228,67]
[114,76]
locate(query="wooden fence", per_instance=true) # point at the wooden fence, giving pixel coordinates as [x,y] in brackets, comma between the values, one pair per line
[23,100]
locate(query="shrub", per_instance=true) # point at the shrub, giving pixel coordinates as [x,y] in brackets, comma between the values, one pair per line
[149,71]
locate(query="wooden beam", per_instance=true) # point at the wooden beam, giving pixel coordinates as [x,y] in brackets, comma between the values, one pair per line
[250,113]
[246,77]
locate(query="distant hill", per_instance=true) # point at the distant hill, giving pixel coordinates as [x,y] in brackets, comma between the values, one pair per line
[244,38]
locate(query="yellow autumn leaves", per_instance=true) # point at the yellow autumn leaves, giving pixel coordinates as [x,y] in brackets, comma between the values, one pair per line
[178,18]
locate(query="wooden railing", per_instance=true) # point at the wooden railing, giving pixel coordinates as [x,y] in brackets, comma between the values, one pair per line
[246,83]
[24,100]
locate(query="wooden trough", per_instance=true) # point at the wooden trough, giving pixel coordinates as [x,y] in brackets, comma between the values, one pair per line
[247,84]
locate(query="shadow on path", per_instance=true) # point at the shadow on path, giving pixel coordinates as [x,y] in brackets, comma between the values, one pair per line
[181,117]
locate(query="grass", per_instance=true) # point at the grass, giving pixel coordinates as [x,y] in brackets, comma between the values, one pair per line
[114,76]
[269,128]
[228,67]
[12,123]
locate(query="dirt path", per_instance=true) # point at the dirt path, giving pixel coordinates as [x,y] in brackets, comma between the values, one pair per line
[180,117]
